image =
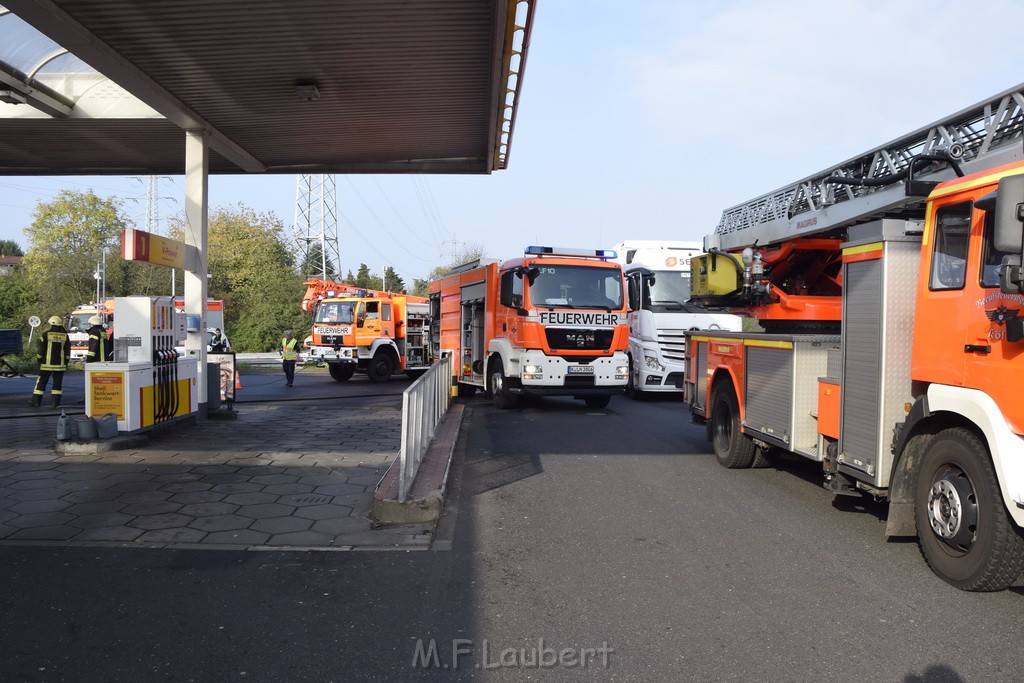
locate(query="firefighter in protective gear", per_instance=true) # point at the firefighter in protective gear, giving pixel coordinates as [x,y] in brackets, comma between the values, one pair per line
[100,348]
[289,354]
[53,353]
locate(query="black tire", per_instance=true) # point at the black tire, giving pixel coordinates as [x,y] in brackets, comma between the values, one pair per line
[761,459]
[382,366]
[733,449]
[597,402]
[339,372]
[466,390]
[963,529]
[631,389]
[499,389]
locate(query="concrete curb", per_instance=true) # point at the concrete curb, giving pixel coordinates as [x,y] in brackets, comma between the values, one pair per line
[428,490]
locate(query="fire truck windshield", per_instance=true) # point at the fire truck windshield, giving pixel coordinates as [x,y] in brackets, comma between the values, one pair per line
[557,286]
[79,321]
[336,312]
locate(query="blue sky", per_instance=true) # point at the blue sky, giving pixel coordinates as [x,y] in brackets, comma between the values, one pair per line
[644,120]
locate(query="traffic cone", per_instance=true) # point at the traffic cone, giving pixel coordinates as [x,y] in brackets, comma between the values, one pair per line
[238,381]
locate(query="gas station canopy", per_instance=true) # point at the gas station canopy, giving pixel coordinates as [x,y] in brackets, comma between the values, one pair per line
[94,87]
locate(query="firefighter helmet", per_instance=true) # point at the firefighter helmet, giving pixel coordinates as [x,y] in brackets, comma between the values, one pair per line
[95,320]
[54,320]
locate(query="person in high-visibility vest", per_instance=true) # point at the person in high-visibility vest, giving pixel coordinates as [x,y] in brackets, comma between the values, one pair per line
[100,348]
[289,354]
[53,353]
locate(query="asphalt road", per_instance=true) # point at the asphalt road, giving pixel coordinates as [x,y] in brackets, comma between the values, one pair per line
[608,536]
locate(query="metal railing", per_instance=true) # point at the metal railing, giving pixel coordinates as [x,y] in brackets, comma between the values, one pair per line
[424,405]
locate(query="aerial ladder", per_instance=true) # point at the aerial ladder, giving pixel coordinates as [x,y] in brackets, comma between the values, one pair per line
[890,294]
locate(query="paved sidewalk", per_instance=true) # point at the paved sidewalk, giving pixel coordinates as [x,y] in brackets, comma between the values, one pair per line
[285,475]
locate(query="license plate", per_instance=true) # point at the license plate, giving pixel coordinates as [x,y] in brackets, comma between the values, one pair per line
[580,370]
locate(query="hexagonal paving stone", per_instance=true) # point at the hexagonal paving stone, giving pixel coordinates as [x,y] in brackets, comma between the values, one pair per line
[324,479]
[221,523]
[300,538]
[158,507]
[35,484]
[197,497]
[317,512]
[206,470]
[207,509]
[281,525]
[98,508]
[242,537]
[91,496]
[172,536]
[341,525]
[96,521]
[45,533]
[187,487]
[226,478]
[30,507]
[261,470]
[143,497]
[301,499]
[126,477]
[340,489]
[366,479]
[251,498]
[165,521]
[109,533]
[287,489]
[135,486]
[236,488]
[36,494]
[42,519]
[274,479]
[265,511]
[33,474]
[181,478]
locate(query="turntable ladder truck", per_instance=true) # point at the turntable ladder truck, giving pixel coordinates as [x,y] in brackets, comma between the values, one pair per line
[890,295]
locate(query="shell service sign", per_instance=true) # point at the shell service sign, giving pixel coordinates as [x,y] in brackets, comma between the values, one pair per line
[137,245]
[107,393]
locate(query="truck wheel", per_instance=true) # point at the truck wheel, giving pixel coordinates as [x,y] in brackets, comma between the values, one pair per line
[381,367]
[597,401]
[339,372]
[499,389]
[631,389]
[963,528]
[733,449]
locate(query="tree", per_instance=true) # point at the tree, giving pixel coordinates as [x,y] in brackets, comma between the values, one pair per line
[69,239]
[393,280]
[420,287]
[253,271]
[470,252]
[10,248]
[365,279]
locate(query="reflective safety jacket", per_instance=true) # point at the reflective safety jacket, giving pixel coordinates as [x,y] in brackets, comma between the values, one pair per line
[100,348]
[54,349]
[288,351]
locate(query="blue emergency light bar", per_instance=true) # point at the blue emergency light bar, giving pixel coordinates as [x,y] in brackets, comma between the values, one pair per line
[559,251]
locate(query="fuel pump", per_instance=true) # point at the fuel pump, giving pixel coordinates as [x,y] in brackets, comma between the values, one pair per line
[146,383]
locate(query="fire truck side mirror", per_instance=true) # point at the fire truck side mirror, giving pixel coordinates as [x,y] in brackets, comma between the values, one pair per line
[1008,233]
[1009,230]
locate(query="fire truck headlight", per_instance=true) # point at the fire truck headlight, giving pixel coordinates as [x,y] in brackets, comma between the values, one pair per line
[533,372]
[622,372]
[652,363]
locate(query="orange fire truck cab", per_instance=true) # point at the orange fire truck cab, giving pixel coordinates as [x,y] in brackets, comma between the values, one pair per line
[550,323]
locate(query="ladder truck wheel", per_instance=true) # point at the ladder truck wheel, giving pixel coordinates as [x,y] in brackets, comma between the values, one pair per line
[733,449]
[597,401]
[631,389]
[499,388]
[339,372]
[964,531]
[381,367]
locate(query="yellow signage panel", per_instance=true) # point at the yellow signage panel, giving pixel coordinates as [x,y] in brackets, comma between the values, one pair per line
[137,245]
[106,393]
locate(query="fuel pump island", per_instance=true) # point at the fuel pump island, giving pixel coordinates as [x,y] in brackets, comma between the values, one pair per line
[146,383]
